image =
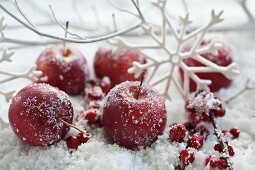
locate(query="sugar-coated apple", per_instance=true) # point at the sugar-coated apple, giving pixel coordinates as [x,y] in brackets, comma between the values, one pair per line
[134,122]
[35,114]
[114,64]
[63,67]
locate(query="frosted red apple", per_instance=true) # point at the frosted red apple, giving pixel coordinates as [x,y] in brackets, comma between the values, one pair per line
[132,122]
[35,111]
[224,58]
[115,64]
[63,67]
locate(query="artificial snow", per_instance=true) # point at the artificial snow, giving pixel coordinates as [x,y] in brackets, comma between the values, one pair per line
[101,154]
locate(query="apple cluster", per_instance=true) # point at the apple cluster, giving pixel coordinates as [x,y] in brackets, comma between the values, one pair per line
[132,114]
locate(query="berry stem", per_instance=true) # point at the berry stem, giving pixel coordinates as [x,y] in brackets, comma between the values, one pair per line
[222,141]
[140,86]
[70,125]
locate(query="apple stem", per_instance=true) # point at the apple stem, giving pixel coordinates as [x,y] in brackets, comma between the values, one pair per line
[70,125]
[64,43]
[140,86]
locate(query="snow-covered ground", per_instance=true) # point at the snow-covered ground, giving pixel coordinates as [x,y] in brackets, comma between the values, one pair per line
[98,154]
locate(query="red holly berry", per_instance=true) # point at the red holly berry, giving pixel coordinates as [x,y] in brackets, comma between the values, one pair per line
[177,132]
[73,142]
[218,148]
[93,116]
[196,141]
[221,164]
[84,137]
[187,156]
[220,111]
[234,132]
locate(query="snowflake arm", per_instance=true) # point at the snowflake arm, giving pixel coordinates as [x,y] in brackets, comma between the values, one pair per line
[175,57]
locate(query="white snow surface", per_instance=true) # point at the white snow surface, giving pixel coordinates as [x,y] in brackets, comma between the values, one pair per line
[100,154]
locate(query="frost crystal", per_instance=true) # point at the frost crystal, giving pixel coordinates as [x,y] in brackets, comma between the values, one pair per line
[175,57]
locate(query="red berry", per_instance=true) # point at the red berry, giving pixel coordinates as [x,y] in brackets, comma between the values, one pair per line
[84,137]
[73,142]
[221,164]
[35,114]
[220,111]
[196,141]
[133,122]
[231,150]
[234,132]
[187,156]
[177,132]
[67,71]
[218,148]
[93,116]
[224,58]
[115,64]
[94,93]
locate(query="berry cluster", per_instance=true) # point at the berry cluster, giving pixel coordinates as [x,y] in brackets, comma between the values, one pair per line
[194,138]
[202,111]
[73,142]
[94,92]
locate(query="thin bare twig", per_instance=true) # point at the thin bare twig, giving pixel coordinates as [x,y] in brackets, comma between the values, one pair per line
[74,40]
[67,32]
[21,12]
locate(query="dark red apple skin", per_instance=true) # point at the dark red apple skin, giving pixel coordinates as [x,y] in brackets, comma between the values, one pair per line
[67,71]
[115,64]
[224,58]
[134,123]
[33,114]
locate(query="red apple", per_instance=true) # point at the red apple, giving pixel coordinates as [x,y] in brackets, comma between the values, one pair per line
[63,67]
[35,111]
[114,64]
[224,58]
[133,122]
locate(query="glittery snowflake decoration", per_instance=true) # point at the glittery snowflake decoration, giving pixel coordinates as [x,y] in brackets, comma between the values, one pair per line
[6,55]
[175,57]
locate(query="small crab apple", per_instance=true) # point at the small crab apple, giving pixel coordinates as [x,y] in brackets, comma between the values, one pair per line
[223,58]
[63,67]
[115,64]
[134,115]
[37,112]
[177,132]
[187,156]
[216,163]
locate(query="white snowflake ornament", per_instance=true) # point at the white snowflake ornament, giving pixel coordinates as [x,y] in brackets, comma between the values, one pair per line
[175,57]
